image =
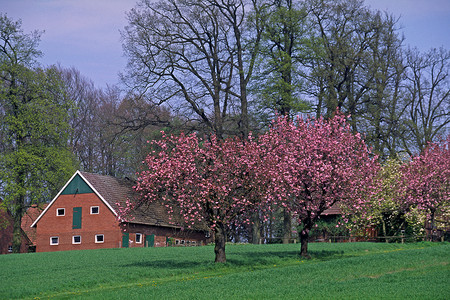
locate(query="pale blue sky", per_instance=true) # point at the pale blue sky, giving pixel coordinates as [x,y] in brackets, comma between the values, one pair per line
[85,33]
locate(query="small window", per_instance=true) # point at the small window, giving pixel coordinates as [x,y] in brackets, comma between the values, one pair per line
[76,239]
[54,240]
[60,212]
[9,249]
[95,210]
[138,238]
[99,238]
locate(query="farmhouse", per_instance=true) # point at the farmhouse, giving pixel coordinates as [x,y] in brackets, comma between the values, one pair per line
[6,232]
[83,215]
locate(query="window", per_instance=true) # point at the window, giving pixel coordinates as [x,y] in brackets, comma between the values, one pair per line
[76,239]
[54,240]
[9,249]
[95,210]
[60,212]
[99,238]
[138,238]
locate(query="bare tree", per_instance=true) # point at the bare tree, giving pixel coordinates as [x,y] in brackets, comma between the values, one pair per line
[83,118]
[193,56]
[427,97]
[109,130]
[355,63]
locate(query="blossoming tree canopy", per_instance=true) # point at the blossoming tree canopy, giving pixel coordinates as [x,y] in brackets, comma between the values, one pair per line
[426,180]
[211,182]
[319,163]
[304,167]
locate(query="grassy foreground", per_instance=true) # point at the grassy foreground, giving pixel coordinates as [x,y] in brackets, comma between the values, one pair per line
[337,271]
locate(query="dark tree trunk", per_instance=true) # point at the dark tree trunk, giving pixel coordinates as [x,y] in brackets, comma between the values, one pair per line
[433,227]
[220,239]
[17,229]
[304,235]
[286,226]
[256,229]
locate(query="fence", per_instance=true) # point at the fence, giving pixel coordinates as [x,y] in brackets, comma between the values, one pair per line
[362,238]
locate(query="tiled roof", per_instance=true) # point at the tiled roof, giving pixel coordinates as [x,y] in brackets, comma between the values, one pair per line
[333,210]
[29,217]
[116,190]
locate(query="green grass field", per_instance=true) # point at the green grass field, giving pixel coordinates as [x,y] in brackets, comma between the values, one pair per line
[336,271]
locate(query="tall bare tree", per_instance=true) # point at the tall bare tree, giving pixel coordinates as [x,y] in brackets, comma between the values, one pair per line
[194,56]
[109,130]
[427,97]
[355,63]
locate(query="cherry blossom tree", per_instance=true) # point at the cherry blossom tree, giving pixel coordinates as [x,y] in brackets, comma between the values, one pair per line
[425,181]
[213,181]
[320,163]
[304,167]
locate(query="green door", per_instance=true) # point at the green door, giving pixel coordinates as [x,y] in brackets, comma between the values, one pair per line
[150,240]
[76,224]
[125,240]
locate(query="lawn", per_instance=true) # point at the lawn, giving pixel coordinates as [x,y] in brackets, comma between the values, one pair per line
[336,271]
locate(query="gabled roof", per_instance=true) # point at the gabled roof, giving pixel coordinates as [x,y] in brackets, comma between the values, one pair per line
[29,217]
[333,210]
[112,190]
[118,190]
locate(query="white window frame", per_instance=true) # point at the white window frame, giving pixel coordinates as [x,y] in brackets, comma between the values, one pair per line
[73,239]
[140,238]
[98,210]
[96,238]
[63,212]
[10,249]
[57,240]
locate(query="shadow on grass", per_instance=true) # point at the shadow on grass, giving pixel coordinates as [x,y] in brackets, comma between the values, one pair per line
[252,258]
[326,255]
[245,259]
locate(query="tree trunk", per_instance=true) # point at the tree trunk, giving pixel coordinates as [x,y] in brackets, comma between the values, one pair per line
[220,239]
[433,226]
[256,229]
[304,235]
[286,226]
[17,229]
[384,229]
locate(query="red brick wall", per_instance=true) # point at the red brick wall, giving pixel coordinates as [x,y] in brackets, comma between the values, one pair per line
[162,233]
[52,225]
[6,233]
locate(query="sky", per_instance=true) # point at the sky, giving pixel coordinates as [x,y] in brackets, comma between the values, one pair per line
[85,33]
